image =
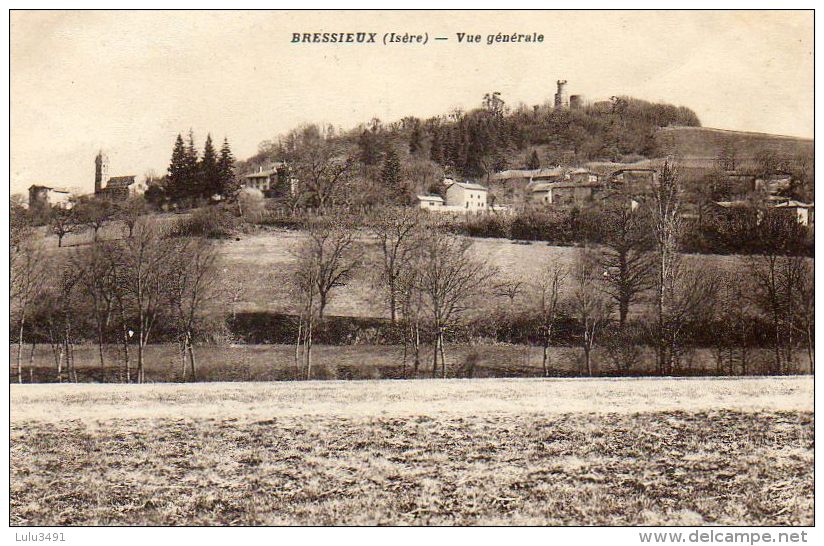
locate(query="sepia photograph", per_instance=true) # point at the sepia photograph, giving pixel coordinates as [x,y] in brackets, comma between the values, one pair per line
[438,268]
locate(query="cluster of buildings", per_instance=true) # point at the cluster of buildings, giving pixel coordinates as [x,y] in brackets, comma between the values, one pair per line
[562,187]
[556,187]
[113,188]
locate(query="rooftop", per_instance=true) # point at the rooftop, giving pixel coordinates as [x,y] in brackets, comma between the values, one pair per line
[469,186]
[430,198]
[120,181]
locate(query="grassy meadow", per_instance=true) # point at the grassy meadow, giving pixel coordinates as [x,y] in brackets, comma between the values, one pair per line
[256,267]
[437,452]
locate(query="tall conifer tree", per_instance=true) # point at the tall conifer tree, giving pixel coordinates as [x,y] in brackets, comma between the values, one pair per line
[178,174]
[226,171]
[208,170]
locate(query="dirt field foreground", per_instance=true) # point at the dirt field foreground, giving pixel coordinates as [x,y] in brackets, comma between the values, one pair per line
[438,452]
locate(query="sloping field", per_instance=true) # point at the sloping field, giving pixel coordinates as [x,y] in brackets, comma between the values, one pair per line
[260,264]
[705,142]
[557,452]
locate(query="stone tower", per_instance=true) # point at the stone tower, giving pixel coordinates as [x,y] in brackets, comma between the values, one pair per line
[101,171]
[561,97]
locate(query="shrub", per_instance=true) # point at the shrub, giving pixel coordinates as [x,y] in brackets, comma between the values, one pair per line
[209,222]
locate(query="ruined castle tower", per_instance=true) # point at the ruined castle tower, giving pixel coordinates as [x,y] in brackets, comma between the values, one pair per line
[577,101]
[562,97]
[101,171]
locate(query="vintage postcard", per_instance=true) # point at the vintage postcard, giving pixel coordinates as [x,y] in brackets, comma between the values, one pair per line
[435,268]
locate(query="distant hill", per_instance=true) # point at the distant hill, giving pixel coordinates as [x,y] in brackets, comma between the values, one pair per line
[701,146]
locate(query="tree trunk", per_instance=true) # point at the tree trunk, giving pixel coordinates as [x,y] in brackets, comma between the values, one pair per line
[623,311]
[443,357]
[182,345]
[126,353]
[192,359]
[100,341]
[20,352]
[435,357]
[405,351]
[810,350]
[545,359]
[140,349]
[309,350]
[297,346]
[31,362]
[417,348]
[58,360]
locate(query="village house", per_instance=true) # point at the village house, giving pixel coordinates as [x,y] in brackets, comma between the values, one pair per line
[428,202]
[804,213]
[635,180]
[466,196]
[46,196]
[564,193]
[773,183]
[271,180]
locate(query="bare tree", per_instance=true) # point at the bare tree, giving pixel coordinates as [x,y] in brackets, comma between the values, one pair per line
[733,323]
[95,213]
[666,217]
[131,211]
[547,291]
[412,308]
[690,301]
[145,256]
[63,221]
[803,306]
[331,253]
[397,232]
[322,165]
[626,258]
[326,260]
[28,276]
[449,278]
[192,278]
[591,305]
[96,279]
[305,294]
[777,279]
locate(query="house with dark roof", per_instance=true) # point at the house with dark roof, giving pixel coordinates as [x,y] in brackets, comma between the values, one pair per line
[271,180]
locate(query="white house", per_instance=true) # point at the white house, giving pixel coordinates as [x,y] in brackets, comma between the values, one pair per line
[467,197]
[429,202]
[264,179]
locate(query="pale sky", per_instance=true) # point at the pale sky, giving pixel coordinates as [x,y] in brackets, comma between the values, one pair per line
[129,82]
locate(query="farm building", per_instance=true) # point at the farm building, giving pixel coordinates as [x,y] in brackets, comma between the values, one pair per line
[429,202]
[43,196]
[564,193]
[804,213]
[634,180]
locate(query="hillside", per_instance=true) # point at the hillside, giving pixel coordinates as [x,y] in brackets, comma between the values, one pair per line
[703,144]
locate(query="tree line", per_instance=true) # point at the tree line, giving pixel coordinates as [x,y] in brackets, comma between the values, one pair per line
[123,290]
[631,289]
